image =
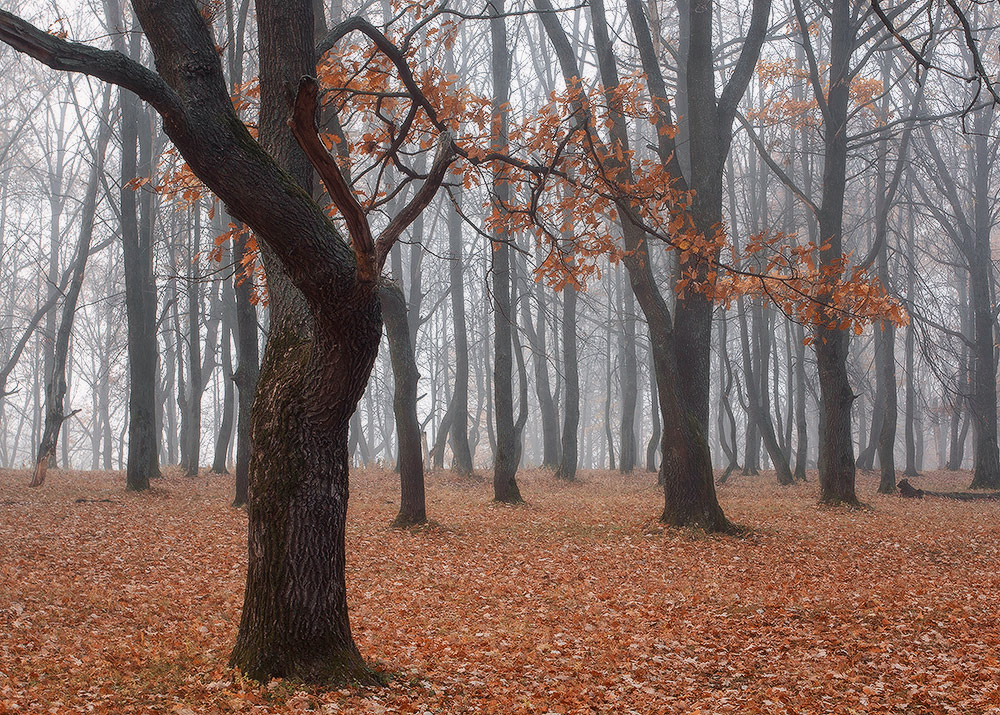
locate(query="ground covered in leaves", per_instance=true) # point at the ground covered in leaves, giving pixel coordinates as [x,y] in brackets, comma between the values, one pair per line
[578,602]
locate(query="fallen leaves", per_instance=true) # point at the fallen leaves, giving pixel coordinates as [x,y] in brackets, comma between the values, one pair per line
[577,603]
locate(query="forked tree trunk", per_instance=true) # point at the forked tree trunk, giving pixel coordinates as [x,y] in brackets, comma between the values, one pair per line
[759,401]
[688,483]
[412,504]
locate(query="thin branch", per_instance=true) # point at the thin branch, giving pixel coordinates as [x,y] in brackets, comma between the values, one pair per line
[303,126]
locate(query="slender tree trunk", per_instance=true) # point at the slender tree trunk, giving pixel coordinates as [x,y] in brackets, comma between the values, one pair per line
[195,381]
[571,416]
[505,463]
[140,291]
[984,373]
[540,362]
[629,380]
[412,508]
[757,398]
[225,436]
[247,367]
[910,469]
[55,386]
[459,428]
[654,412]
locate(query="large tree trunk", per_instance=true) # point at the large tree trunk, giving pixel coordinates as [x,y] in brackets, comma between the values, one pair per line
[316,364]
[836,449]
[412,506]
[688,483]
[295,621]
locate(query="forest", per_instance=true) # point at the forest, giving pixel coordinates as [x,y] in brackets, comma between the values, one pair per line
[463,356]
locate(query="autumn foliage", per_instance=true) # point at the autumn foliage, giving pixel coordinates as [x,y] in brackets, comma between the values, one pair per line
[564,172]
[577,603]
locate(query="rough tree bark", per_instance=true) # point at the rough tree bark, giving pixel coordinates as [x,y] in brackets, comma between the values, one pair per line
[295,621]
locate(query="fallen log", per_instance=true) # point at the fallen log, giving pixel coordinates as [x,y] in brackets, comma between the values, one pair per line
[908,491]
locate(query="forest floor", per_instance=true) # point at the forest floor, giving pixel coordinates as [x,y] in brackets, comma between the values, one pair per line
[579,602]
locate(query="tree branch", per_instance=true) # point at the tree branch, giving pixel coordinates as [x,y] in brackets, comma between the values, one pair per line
[303,125]
[113,67]
[425,194]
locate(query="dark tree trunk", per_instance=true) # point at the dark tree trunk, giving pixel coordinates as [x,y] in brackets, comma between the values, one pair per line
[654,412]
[140,303]
[459,428]
[688,483]
[801,425]
[436,455]
[709,122]
[571,415]
[505,462]
[295,621]
[412,506]
[758,399]
[629,379]
[887,435]
[316,365]
[910,470]
[984,393]
[540,362]
[247,367]
[191,456]
[225,436]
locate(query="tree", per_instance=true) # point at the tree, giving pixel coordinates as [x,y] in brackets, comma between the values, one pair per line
[295,621]
[55,385]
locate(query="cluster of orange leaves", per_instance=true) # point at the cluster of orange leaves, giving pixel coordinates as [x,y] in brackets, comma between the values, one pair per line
[577,603]
[563,175]
[793,113]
